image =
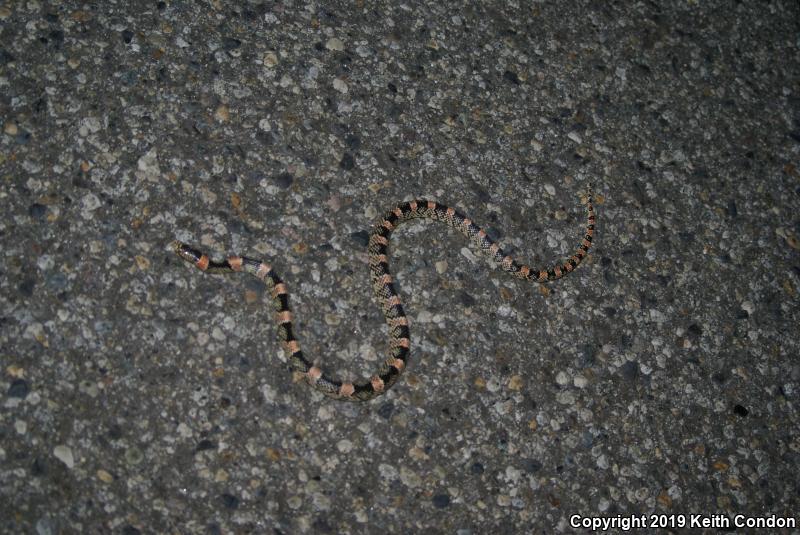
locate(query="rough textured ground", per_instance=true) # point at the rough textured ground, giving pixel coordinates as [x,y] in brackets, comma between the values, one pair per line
[661,377]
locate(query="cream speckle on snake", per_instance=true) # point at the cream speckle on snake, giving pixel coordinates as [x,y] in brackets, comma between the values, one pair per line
[384,289]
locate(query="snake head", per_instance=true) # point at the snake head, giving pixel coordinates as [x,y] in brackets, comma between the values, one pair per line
[190,255]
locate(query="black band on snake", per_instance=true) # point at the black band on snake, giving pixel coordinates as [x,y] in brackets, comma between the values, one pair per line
[385,292]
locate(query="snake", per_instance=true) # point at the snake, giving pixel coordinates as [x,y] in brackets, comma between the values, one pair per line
[385,292]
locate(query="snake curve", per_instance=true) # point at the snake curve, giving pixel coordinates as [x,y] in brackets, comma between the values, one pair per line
[385,293]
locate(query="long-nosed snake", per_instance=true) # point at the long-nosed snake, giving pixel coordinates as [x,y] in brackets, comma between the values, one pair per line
[382,282]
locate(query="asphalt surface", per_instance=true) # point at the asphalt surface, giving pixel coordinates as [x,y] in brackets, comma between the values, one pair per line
[658,381]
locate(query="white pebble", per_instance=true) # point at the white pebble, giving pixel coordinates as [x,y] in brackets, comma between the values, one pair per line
[334,44]
[89,203]
[513,474]
[602,462]
[468,254]
[64,454]
[45,262]
[218,334]
[424,317]
[409,478]
[387,471]
[565,397]
[148,163]
[493,385]
[324,412]
[340,85]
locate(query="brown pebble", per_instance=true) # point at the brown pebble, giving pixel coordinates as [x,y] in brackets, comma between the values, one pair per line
[81,16]
[720,466]
[544,290]
[142,262]
[222,114]
[515,383]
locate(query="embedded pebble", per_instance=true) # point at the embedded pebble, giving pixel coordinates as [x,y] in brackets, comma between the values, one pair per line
[387,471]
[340,85]
[222,114]
[89,203]
[574,136]
[19,388]
[409,478]
[344,446]
[270,59]
[334,44]
[64,454]
[148,164]
[493,385]
[602,462]
[133,456]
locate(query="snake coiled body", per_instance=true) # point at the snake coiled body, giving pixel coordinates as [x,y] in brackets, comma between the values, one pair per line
[385,292]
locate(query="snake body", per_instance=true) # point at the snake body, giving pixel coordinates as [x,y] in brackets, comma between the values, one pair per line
[384,289]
